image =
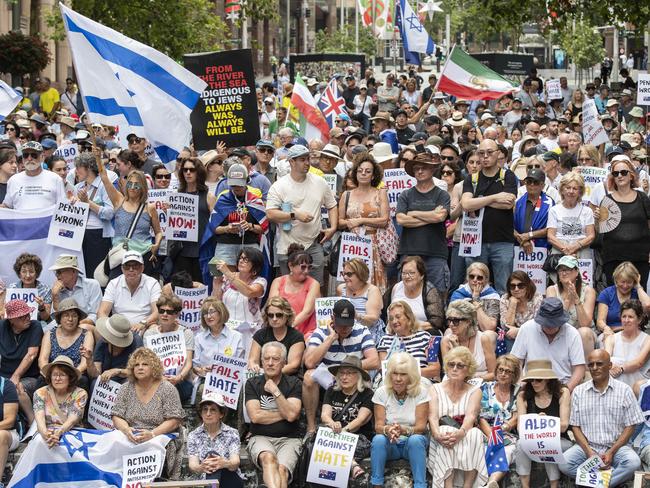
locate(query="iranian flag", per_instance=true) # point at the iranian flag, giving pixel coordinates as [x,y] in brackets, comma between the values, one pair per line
[465,77]
[312,123]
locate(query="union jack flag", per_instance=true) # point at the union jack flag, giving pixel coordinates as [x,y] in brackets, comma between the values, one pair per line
[495,452]
[331,103]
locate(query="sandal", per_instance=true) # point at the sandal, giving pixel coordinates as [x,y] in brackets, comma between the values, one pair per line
[357,471]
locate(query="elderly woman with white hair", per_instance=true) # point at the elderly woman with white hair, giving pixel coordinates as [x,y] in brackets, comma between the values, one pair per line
[401,411]
[477,288]
[453,412]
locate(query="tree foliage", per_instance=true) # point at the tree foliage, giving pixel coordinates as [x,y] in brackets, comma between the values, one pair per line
[602,13]
[21,54]
[582,44]
[342,41]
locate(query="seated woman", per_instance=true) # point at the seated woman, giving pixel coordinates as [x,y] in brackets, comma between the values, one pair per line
[67,339]
[60,405]
[147,406]
[579,300]
[213,447]
[463,324]
[626,286]
[453,411]
[365,296]
[215,337]
[499,401]
[425,300]
[401,411]
[518,305]
[543,394]
[278,316]
[402,334]
[299,289]
[477,287]
[630,348]
[169,308]
[347,407]
[28,268]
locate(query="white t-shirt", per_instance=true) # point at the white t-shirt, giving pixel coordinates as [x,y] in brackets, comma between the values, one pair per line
[34,192]
[396,413]
[570,223]
[415,303]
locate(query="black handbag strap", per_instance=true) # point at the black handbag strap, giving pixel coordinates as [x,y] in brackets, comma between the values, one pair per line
[340,413]
[134,222]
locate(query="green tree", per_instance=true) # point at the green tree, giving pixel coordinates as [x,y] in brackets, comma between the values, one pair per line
[342,41]
[582,44]
[21,54]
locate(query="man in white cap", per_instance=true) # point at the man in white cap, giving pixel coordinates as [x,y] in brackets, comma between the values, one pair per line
[132,294]
[71,284]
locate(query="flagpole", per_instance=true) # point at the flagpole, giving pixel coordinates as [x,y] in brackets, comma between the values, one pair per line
[445,65]
[356,27]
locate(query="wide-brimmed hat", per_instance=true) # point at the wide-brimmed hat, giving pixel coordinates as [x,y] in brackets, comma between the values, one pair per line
[636,112]
[209,157]
[61,361]
[382,116]
[39,119]
[611,102]
[352,362]
[629,138]
[382,151]
[115,330]
[69,121]
[539,369]
[551,313]
[66,261]
[609,117]
[457,119]
[331,151]
[17,308]
[422,158]
[66,305]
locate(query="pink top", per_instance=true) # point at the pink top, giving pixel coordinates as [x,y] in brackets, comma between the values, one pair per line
[297,302]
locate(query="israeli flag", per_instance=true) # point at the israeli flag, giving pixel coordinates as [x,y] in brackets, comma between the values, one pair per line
[132,86]
[414,37]
[9,98]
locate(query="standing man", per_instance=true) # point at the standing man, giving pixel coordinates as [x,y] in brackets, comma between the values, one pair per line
[492,191]
[567,91]
[49,97]
[350,91]
[138,146]
[388,95]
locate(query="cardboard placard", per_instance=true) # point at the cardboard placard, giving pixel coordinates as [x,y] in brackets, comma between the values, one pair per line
[183,217]
[101,404]
[332,457]
[68,225]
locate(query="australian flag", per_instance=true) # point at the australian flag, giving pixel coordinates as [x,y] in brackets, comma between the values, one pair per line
[495,453]
[325,474]
[502,347]
[331,103]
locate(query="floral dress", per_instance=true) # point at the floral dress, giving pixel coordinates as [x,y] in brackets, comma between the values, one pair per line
[492,409]
[56,413]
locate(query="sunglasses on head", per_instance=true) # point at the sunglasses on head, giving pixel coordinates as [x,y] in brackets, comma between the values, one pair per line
[167,176]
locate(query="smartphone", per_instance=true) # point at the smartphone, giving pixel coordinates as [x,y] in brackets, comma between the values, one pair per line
[212,266]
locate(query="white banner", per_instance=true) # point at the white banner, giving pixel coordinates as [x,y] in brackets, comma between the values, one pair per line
[324,310]
[471,235]
[585,266]
[354,246]
[68,152]
[139,469]
[227,377]
[332,457]
[183,217]
[593,177]
[192,299]
[68,225]
[396,181]
[643,89]
[539,438]
[553,90]
[27,295]
[531,264]
[592,130]
[101,404]
[170,349]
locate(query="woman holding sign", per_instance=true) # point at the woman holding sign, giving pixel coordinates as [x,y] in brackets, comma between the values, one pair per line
[28,268]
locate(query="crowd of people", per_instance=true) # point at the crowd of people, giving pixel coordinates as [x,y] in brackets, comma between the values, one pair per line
[430,344]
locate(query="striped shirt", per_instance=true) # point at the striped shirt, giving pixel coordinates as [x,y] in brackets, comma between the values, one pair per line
[416,345]
[357,343]
[602,417]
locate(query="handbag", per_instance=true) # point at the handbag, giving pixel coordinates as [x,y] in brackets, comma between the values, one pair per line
[387,243]
[550,263]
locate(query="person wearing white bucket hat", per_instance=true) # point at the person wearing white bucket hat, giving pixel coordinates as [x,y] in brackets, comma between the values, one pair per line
[383,154]
[636,121]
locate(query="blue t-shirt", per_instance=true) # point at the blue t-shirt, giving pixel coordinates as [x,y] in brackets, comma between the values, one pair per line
[104,356]
[609,297]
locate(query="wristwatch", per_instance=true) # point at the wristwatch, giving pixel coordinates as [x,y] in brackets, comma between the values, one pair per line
[277,394]
[293,215]
[144,323]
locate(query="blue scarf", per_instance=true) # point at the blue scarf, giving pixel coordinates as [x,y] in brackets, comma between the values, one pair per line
[540,216]
[464,291]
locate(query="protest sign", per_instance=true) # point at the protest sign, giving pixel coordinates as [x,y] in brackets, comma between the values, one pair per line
[68,152]
[593,177]
[68,225]
[101,404]
[183,217]
[324,310]
[471,235]
[170,349]
[396,181]
[247,330]
[331,181]
[531,264]
[553,90]
[227,377]
[159,198]
[140,469]
[590,474]
[539,438]
[28,295]
[331,457]
[592,130]
[227,111]
[192,299]
[643,89]
[585,266]
[354,246]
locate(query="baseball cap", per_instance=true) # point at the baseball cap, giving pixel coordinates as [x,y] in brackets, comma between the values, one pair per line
[32,145]
[344,313]
[265,143]
[486,116]
[419,136]
[237,175]
[49,144]
[536,174]
[132,256]
[613,151]
[297,151]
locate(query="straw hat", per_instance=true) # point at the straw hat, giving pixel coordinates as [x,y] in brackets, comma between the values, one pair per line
[539,369]
[115,330]
[457,119]
[60,361]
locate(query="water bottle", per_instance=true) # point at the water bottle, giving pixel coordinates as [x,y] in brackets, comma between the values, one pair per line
[286,207]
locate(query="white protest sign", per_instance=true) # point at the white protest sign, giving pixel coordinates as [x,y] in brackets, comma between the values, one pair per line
[68,152]
[160,200]
[592,130]
[590,474]
[331,181]
[183,217]
[331,457]
[192,299]
[324,310]
[247,331]
[585,266]
[539,438]
[643,89]
[101,404]
[396,181]
[553,90]
[170,349]
[471,235]
[227,377]
[68,225]
[593,177]
[27,295]
[354,246]
[140,469]
[531,264]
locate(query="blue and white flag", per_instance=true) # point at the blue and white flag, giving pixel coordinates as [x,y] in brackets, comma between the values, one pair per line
[90,459]
[130,85]
[415,38]
[9,98]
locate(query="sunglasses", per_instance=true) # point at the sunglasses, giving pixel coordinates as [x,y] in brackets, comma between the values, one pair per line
[454,365]
[476,277]
[135,140]
[278,315]
[85,148]
[167,311]
[189,170]
[268,103]
[447,172]
[517,286]
[448,158]
[528,181]
[536,380]
[167,176]
[623,172]
[265,150]
[30,155]
[533,166]
[244,259]
[348,274]
[10,129]
[454,320]
[133,186]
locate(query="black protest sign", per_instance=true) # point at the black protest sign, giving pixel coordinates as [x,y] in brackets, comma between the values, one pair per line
[227,110]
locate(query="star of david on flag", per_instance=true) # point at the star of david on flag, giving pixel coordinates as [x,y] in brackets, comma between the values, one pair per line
[495,452]
[331,103]
[414,36]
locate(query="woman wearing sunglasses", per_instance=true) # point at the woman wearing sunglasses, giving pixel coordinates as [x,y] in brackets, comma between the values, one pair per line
[518,304]
[477,288]
[299,289]
[161,177]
